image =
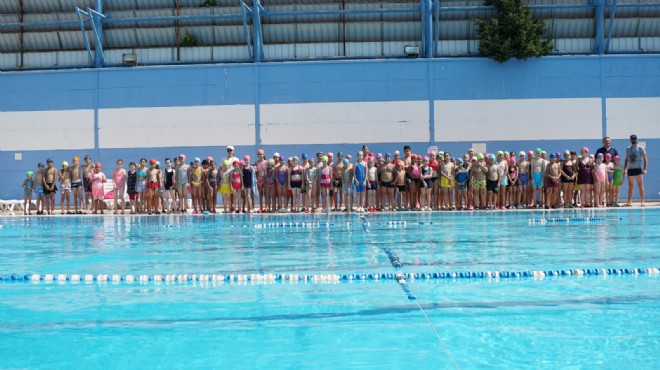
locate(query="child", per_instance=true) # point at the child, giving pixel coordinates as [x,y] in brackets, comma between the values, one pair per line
[213,175]
[131,187]
[401,180]
[97,179]
[142,184]
[537,165]
[153,187]
[523,180]
[65,184]
[462,176]
[617,180]
[77,185]
[261,165]
[372,184]
[168,186]
[503,173]
[609,194]
[447,182]
[567,179]
[585,177]
[426,184]
[196,185]
[28,188]
[248,175]
[225,185]
[325,184]
[281,174]
[492,181]
[347,180]
[50,178]
[513,188]
[182,184]
[119,186]
[478,172]
[552,176]
[311,172]
[360,181]
[87,170]
[600,181]
[295,184]
[236,178]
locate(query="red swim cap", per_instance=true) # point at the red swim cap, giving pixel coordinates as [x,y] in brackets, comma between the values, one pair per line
[152,162]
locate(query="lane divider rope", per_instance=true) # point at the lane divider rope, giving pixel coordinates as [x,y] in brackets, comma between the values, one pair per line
[571,220]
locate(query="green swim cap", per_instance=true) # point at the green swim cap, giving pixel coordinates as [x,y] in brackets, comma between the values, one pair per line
[30,173]
[480,156]
[538,151]
[325,158]
[499,152]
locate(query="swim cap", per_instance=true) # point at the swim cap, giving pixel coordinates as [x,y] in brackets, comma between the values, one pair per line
[586,150]
[345,161]
[236,162]
[330,155]
[380,155]
[242,163]
[543,152]
[521,153]
[153,162]
[65,163]
[459,161]
[40,165]
[552,156]
[492,157]
[396,152]
[425,158]
[600,155]
[225,162]
[30,173]
[537,150]
[371,154]
[98,164]
[512,159]
[270,162]
[499,152]
[182,156]
[324,159]
[304,156]
[432,153]
[230,147]
[388,155]
[260,151]
[276,154]
[399,163]
[616,157]
[76,159]
[608,156]
[246,158]
[340,154]
[530,153]
[480,156]
[157,163]
[197,159]
[49,160]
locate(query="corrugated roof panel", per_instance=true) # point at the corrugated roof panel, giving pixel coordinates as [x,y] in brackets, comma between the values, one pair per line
[72,58]
[395,48]
[196,12]
[301,18]
[204,35]
[358,49]
[156,4]
[10,7]
[156,13]
[650,44]
[195,54]
[364,31]
[72,40]
[230,53]
[120,38]
[50,18]
[9,18]
[39,60]
[452,48]
[649,27]
[10,42]
[362,17]
[401,17]
[316,50]
[625,27]
[115,56]
[151,37]
[317,32]
[9,61]
[279,33]
[625,44]
[41,41]
[455,30]
[574,45]
[121,14]
[570,28]
[229,35]
[279,51]
[156,55]
[119,4]
[398,31]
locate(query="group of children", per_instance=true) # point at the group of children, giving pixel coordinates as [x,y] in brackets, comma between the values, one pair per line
[370,182]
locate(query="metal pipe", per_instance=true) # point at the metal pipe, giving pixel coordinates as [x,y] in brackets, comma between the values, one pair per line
[600,26]
[97,25]
[257,9]
[173,18]
[341,12]
[428,27]
[436,39]
[611,25]
[244,10]
[84,34]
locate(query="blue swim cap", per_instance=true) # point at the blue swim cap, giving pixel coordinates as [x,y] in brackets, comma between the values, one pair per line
[388,155]
[345,161]
[304,156]
[553,155]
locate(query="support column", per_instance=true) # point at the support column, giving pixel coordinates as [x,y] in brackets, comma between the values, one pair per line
[426,8]
[99,22]
[600,26]
[256,24]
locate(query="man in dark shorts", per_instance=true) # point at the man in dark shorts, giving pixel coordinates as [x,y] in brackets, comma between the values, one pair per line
[636,164]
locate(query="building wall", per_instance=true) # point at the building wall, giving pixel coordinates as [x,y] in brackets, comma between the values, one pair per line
[554,103]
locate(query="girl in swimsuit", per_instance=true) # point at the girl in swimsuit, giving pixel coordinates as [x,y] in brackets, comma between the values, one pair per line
[609,193]
[236,179]
[196,186]
[295,179]
[567,179]
[617,180]
[325,183]
[372,184]
[281,173]
[225,185]
[131,187]
[426,184]
[513,188]
[600,181]
[142,184]
[585,177]
[28,188]
[247,185]
[98,179]
[213,184]
[271,189]
[119,180]
[312,189]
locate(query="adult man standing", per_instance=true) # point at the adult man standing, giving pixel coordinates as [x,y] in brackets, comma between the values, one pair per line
[607,148]
[636,165]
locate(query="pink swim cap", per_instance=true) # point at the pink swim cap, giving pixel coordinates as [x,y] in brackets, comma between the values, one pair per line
[330,155]
[242,163]
[586,150]
[209,158]
[246,158]
[426,158]
[530,153]
[182,156]
[380,155]
[608,156]
[371,154]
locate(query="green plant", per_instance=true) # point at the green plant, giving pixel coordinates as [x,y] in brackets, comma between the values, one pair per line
[209,3]
[188,39]
[512,33]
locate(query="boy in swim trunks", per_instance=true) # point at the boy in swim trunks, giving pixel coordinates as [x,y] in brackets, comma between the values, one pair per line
[478,172]
[87,170]
[537,166]
[65,184]
[181,183]
[39,187]
[347,180]
[552,176]
[462,176]
[337,171]
[492,181]
[154,185]
[50,178]
[77,185]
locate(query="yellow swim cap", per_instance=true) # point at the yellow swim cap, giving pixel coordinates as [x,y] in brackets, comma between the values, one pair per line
[225,162]
[65,163]
[325,158]
[480,156]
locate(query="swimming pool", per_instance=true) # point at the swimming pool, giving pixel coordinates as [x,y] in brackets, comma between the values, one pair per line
[313,300]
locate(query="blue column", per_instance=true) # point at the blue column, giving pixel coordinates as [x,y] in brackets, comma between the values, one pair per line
[600,26]
[427,16]
[99,23]
[256,24]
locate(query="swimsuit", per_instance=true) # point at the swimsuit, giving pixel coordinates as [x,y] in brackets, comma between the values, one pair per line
[131,184]
[66,188]
[281,175]
[46,191]
[324,180]
[585,176]
[270,181]
[360,175]
[235,180]
[197,175]
[169,179]
[28,186]
[247,177]
[461,176]
[296,178]
[568,170]
[504,180]
[617,178]
[97,184]
[428,181]
[225,187]
[523,179]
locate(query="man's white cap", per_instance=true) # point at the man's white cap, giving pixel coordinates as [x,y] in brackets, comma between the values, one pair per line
[230,147]
[276,154]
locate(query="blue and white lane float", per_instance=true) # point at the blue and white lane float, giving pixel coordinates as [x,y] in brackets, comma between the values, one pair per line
[571,220]
[316,278]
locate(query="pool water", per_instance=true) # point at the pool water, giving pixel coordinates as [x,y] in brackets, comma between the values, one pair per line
[603,321]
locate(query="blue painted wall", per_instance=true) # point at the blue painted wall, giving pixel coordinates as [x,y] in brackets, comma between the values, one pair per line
[306,82]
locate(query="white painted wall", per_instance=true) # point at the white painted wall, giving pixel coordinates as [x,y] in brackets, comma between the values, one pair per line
[517,119]
[350,123]
[176,126]
[47,130]
[640,116]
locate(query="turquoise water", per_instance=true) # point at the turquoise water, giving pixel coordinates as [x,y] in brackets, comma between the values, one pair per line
[576,322]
